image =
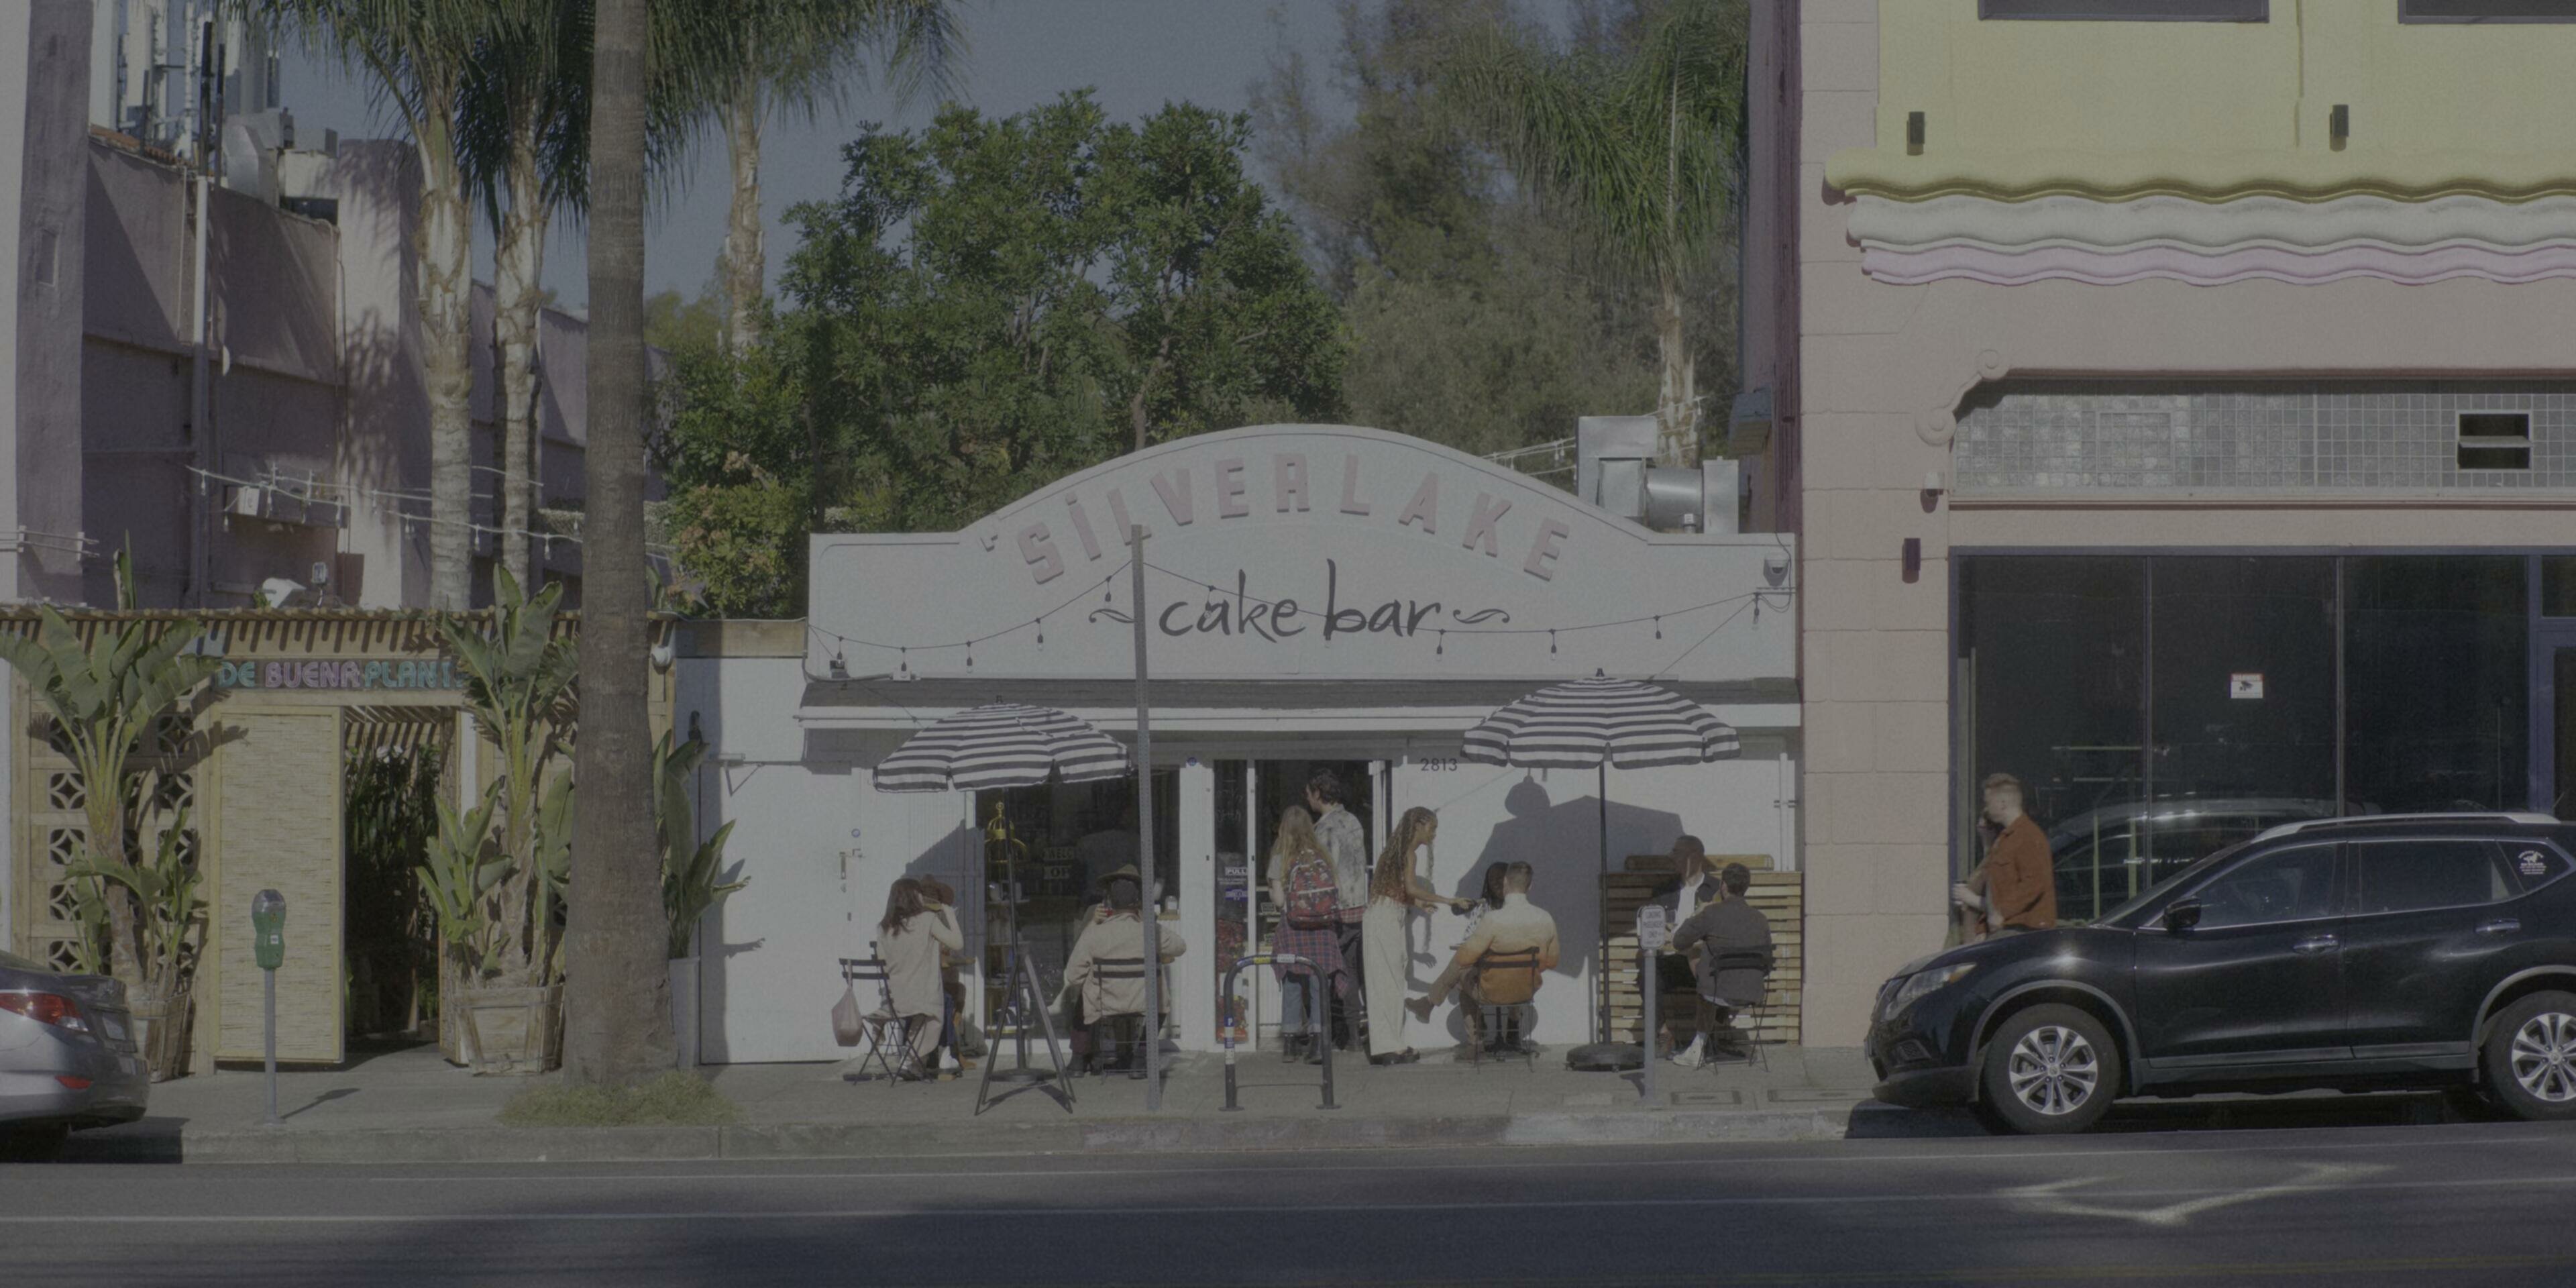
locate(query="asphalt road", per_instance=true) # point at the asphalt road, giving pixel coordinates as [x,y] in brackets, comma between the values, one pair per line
[2419,1205]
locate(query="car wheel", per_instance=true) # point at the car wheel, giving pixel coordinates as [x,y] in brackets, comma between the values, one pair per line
[33,1142]
[2530,1063]
[2050,1069]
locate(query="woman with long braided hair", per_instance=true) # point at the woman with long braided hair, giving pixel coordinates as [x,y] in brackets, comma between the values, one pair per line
[1396,890]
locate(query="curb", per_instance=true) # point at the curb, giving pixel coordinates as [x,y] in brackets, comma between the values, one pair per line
[775,1141]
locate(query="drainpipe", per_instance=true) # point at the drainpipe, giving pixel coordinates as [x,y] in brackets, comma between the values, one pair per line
[200,432]
[200,397]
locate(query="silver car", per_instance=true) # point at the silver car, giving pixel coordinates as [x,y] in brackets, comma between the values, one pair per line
[67,1056]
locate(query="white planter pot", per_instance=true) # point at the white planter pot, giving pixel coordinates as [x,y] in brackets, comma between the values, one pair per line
[684,1011]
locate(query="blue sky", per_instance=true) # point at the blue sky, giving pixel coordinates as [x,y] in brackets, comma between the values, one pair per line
[1138,54]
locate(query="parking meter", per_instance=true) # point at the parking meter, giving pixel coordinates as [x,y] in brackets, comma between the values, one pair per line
[268,929]
[268,946]
[1654,931]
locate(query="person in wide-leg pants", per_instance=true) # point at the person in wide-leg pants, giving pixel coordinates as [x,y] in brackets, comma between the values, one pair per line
[1396,889]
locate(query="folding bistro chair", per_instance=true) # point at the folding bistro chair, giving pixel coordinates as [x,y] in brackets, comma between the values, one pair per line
[888,1043]
[1755,1012]
[1111,1033]
[1490,1019]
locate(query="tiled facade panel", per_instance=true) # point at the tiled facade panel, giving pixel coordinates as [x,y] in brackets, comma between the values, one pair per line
[2343,437]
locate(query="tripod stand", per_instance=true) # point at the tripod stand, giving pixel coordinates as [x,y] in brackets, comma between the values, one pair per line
[1023,1000]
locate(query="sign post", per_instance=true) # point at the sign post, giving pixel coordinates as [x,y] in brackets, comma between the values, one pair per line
[268,946]
[1152,883]
[1652,934]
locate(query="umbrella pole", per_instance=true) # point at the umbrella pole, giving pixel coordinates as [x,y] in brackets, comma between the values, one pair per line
[1602,799]
[1153,910]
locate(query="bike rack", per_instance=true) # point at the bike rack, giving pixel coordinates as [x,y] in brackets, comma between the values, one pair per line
[1317,979]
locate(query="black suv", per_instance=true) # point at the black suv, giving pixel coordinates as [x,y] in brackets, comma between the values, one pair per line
[2371,953]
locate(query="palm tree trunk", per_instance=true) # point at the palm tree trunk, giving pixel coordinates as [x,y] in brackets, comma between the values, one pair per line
[104,780]
[746,264]
[446,253]
[518,264]
[617,1016]
[1677,400]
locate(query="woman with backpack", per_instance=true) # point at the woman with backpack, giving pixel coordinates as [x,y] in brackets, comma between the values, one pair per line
[1303,887]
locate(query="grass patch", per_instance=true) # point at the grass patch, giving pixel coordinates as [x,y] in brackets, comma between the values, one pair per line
[674,1099]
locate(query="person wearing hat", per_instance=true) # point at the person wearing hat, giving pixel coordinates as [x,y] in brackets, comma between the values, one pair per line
[1106,970]
[1729,934]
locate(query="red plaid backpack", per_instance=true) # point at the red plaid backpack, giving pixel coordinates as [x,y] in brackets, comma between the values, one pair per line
[1312,894]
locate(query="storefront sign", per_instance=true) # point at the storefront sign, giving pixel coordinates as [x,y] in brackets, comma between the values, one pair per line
[1305,550]
[342,675]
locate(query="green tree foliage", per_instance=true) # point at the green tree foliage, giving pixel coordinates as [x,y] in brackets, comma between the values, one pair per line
[987,306]
[679,325]
[1485,315]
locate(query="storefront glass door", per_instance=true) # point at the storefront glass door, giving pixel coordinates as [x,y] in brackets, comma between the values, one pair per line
[1250,797]
[2553,751]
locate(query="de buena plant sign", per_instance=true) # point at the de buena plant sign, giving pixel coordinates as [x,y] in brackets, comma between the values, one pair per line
[340,675]
[1304,550]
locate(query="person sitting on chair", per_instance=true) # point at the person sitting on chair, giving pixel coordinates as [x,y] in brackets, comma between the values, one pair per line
[1732,936]
[1108,967]
[1516,927]
[911,938]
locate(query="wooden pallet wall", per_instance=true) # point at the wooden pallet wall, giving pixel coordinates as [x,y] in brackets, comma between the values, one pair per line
[1780,895]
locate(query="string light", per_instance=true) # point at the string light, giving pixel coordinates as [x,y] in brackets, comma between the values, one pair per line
[1440,645]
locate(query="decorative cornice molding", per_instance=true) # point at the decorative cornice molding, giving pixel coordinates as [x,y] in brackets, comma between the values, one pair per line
[2250,223]
[2211,177]
[2113,268]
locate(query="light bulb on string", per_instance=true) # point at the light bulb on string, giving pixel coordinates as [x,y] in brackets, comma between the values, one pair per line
[1441,645]
[1040,623]
[970,655]
[903,662]
[1551,641]
[1659,626]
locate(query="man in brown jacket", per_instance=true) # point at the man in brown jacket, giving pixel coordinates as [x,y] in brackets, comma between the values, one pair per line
[2015,889]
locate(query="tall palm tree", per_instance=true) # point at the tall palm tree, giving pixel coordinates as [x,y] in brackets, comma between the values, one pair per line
[616,1000]
[417,53]
[798,52]
[523,130]
[525,134]
[1642,147]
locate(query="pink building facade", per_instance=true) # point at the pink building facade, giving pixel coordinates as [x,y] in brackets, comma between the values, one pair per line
[2179,415]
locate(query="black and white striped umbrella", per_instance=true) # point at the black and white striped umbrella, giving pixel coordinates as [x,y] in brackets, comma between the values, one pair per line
[1001,744]
[1597,724]
[1583,723]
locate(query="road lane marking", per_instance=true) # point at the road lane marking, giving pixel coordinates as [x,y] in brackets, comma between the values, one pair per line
[1981,1201]
[2051,1197]
[1277,1165]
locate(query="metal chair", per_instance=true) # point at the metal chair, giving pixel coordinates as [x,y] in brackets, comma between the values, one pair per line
[1756,1011]
[889,1038]
[1110,1034]
[1488,1019]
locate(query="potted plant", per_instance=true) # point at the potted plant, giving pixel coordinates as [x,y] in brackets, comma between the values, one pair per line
[103,697]
[693,881]
[519,683]
[461,868]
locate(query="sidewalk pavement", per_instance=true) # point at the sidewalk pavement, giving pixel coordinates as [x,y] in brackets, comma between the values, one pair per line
[411,1106]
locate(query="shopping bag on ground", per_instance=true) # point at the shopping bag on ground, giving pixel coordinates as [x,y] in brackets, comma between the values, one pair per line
[849,1023]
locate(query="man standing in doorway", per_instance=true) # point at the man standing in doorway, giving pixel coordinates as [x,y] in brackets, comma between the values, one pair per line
[1339,834]
[2015,889]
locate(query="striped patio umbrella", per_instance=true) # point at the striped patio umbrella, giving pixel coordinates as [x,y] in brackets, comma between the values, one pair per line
[1001,744]
[1584,724]
[1594,724]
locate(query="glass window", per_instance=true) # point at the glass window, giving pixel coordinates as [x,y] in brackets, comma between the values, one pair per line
[2486,10]
[2130,10]
[2410,876]
[2558,586]
[2285,885]
[2436,691]
[2051,667]
[2242,695]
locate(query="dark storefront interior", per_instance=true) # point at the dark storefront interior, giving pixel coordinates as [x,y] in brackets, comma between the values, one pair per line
[2161,706]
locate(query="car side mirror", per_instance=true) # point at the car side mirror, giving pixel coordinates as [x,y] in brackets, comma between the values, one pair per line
[2182,915]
